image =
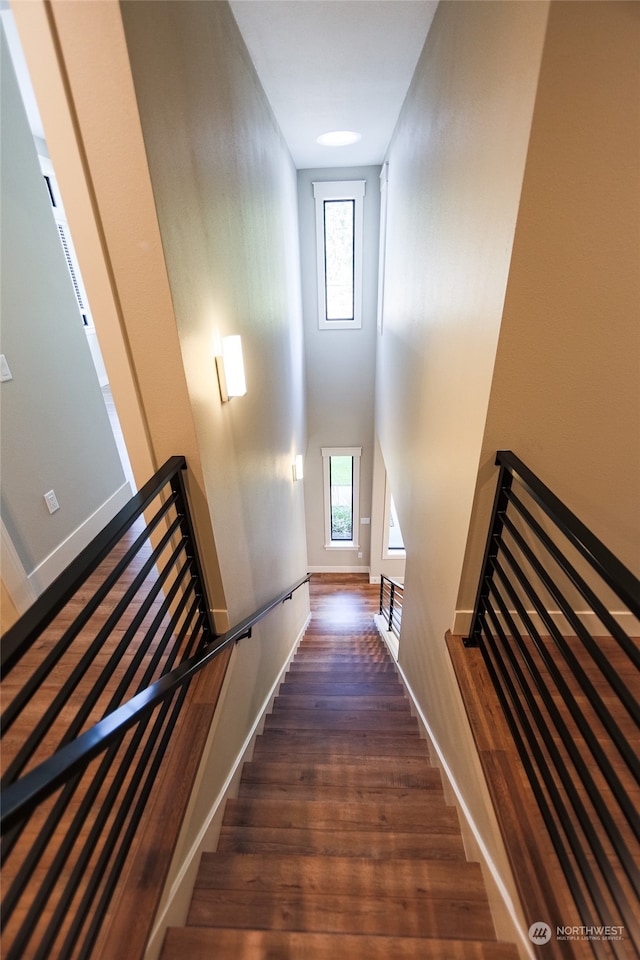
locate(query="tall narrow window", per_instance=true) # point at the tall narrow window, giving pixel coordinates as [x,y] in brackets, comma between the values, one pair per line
[341,492]
[338,259]
[393,543]
[339,221]
[341,496]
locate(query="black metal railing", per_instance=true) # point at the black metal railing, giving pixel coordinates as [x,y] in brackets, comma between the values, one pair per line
[391,599]
[94,677]
[556,615]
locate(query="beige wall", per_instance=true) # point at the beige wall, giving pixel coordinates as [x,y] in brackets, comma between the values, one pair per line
[566,392]
[456,163]
[8,611]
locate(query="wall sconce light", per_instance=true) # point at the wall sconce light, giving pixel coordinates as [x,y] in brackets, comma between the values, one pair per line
[230,369]
[298,468]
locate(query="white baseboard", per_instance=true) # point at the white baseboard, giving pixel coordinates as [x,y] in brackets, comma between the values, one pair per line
[625,619]
[60,558]
[336,569]
[389,638]
[179,896]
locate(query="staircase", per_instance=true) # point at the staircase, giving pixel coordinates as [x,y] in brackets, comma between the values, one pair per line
[340,845]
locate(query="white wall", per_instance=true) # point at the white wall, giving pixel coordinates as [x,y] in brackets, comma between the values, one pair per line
[456,163]
[55,429]
[225,192]
[382,562]
[340,370]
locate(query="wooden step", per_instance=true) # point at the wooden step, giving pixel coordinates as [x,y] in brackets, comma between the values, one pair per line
[414,815]
[200,943]
[389,772]
[300,685]
[395,703]
[337,743]
[327,791]
[361,672]
[339,658]
[333,641]
[347,720]
[341,843]
[342,895]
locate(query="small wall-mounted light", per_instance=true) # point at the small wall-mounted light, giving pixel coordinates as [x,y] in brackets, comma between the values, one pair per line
[230,369]
[298,468]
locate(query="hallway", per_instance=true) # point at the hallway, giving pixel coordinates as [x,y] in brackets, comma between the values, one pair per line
[340,843]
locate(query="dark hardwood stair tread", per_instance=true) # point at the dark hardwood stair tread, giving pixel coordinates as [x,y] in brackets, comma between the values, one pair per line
[279,875]
[372,843]
[396,702]
[339,913]
[330,657]
[363,670]
[338,743]
[389,772]
[201,943]
[413,815]
[366,720]
[351,794]
[339,845]
[301,686]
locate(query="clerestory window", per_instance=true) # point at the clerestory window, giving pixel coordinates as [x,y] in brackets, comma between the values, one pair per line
[339,222]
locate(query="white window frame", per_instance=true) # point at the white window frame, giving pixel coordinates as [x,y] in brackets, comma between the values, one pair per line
[382,252]
[70,255]
[327,453]
[340,190]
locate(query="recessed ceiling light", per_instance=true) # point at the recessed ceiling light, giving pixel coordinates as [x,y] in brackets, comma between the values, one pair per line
[338,138]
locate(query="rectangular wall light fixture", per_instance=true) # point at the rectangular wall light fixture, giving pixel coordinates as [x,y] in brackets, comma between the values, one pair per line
[230,367]
[298,468]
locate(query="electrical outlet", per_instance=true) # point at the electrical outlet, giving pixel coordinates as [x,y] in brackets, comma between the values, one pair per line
[51,501]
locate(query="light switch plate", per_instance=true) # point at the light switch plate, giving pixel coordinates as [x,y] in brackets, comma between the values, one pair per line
[5,373]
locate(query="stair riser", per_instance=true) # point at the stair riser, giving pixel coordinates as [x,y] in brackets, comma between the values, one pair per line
[422,815]
[329,792]
[300,686]
[333,843]
[304,743]
[348,720]
[301,702]
[198,943]
[335,914]
[376,774]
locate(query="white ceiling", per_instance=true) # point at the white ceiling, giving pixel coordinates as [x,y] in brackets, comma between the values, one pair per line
[335,65]
[324,64]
